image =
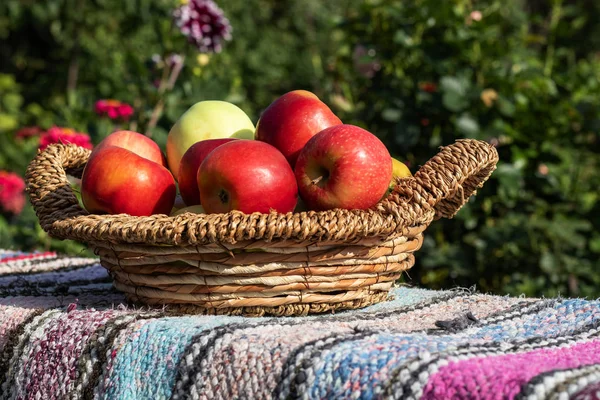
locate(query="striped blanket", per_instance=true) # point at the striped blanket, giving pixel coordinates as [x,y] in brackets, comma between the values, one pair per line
[66,334]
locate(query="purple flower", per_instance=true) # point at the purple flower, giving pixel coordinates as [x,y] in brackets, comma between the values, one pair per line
[204,24]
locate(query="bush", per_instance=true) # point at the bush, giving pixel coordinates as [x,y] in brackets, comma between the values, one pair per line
[442,73]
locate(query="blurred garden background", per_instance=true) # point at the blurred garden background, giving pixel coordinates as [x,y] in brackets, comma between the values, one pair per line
[521,74]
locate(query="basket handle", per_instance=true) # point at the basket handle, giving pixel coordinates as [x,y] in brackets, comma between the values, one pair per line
[447,181]
[49,190]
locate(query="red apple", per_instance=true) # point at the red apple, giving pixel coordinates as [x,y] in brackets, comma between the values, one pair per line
[189,165]
[116,180]
[140,144]
[343,166]
[291,120]
[248,176]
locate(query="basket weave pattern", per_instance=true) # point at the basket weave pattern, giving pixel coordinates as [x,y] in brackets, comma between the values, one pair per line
[252,264]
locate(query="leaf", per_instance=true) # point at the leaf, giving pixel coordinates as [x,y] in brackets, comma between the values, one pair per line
[391,115]
[402,38]
[548,263]
[452,84]
[454,91]
[505,106]
[454,102]
[467,125]
[521,100]
[406,135]
[595,244]
[7,122]
[7,82]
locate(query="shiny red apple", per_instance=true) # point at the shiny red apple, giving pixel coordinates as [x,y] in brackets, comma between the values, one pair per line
[136,142]
[291,120]
[189,165]
[248,176]
[343,166]
[116,180]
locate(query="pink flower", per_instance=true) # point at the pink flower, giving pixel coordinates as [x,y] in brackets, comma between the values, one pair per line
[12,193]
[476,15]
[114,109]
[65,136]
[125,111]
[28,132]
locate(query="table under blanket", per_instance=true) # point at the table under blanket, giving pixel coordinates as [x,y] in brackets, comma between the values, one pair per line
[66,333]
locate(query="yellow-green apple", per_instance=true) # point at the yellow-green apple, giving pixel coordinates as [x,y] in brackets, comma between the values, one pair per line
[210,119]
[197,209]
[249,176]
[116,180]
[179,203]
[291,120]
[343,166]
[140,144]
[399,170]
[189,165]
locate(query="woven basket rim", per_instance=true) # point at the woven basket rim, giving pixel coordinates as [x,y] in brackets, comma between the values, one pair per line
[438,189]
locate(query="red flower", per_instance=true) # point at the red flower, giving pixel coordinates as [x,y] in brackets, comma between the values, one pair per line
[65,136]
[424,121]
[28,131]
[125,111]
[114,109]
[12,195]
[428,87]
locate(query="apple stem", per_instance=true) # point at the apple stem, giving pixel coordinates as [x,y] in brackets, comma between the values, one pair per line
[317,180]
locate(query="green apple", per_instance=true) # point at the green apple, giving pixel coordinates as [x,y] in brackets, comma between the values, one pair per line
[212,119]
[400,170]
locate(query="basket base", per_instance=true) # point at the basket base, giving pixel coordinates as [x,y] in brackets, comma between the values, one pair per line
[286,310]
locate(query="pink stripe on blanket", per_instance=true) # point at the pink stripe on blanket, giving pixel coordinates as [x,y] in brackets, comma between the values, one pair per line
[501,377]
[50,368]
[590,392]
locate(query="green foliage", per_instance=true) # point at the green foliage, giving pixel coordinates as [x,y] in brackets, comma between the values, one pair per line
[523,75]
[534,227]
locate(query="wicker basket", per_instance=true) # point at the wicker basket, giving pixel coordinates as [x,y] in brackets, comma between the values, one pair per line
[278,264]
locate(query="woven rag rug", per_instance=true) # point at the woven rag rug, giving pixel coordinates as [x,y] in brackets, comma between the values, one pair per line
[65,333]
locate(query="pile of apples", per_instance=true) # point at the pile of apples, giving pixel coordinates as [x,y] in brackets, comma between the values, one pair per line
[300,157]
